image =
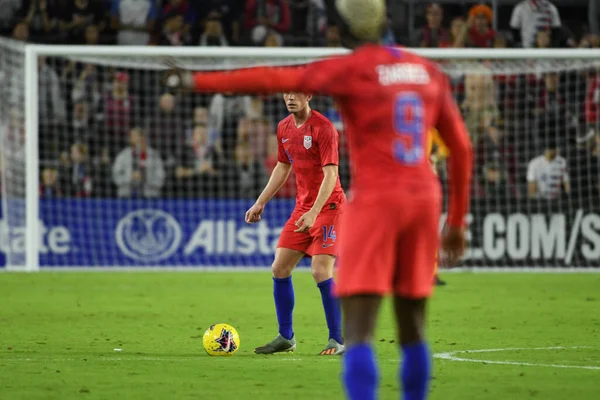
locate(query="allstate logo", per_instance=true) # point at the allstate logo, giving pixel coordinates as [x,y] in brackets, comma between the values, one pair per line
[148,235]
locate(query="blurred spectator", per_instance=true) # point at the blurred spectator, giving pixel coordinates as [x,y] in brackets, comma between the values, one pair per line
[590,41]
[547,174]
[594,16]
[333,36]
[494,183]
[165,126]
[133,20]
[177,18]
[9,14]
[495,163]
[458,27]
[245,177]
[531,16]
[81,126]
[102,175]
[543,40]
[480,33]
[138,169]
[52,108]
[196,167]
[592,102]
[255,131]
[273,40]
[433,34]
[266,16]
[77,15]
[77,172]
[21,32]
[584,165]
[213,34]
[479,106]
[308,19]
[228,12]
[173,32]
[86,88]
[550,101]
[225,112]
[91,35]
[117,111]
[500,42]
[49,188]
[288,190]
[38,18]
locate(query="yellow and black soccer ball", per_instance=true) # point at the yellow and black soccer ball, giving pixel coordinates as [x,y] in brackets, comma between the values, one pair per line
[221,340]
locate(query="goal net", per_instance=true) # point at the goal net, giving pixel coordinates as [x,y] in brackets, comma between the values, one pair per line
[130,174]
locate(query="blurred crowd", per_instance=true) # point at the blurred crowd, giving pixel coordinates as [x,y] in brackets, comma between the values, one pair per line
[116,132]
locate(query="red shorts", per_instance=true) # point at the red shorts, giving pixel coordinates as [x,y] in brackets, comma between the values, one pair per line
[389,245]
[322,238]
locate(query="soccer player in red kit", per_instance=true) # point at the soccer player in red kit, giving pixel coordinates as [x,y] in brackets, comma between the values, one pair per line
[307,144]
[389,100]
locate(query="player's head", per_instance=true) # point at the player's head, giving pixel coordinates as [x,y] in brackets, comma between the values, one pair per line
[551,146]
[359,21]
[136,137]
[296,102]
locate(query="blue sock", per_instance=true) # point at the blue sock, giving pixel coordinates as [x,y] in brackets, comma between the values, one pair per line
[360,372]
[333,313]
[416,370]
[283,292]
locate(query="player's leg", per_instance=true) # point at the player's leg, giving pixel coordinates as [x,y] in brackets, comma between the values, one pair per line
[283,295]
[414,282]
[360,372]
[365,273]
[322,272]
[323,250]
[290,250]
[416,361]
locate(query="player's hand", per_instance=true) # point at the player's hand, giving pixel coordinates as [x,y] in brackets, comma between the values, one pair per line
[176,77]
[453,245]
[306,221]
[254,213]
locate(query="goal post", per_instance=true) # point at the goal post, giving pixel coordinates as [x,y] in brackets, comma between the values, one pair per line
[119,172]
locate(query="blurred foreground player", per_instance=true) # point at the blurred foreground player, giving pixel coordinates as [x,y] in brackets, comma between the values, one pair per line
[307,143]
[389,100]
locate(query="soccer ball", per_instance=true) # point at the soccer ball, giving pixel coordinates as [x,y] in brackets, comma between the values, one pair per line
[365,18]
[221,340]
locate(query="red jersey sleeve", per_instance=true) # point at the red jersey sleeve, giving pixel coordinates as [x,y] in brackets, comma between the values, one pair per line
[281,155]
[328,145]
[452,129]
[327,77]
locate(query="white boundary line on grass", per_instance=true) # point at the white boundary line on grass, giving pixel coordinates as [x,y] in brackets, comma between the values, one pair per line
[451,356]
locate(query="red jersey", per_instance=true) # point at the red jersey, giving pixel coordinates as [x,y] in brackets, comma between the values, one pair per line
[389,99]
[309,148]
[592,101]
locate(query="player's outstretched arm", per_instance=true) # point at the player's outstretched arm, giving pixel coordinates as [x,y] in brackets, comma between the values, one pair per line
[324,77]
[279,176]
[330,176]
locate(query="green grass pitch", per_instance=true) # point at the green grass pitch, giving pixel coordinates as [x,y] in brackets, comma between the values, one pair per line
[58,332]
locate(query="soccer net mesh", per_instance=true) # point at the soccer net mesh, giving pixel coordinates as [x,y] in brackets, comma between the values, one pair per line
[134,175]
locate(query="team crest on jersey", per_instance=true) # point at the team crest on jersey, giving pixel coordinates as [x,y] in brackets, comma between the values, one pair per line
[307,142]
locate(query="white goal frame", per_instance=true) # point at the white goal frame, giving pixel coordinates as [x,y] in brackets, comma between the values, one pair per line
[33,51]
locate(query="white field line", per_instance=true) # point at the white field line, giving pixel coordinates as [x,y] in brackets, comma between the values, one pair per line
[452,356]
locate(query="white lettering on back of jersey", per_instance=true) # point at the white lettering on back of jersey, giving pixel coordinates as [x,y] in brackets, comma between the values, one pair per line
[402,73]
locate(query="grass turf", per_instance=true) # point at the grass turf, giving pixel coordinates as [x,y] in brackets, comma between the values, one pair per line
[58,332]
